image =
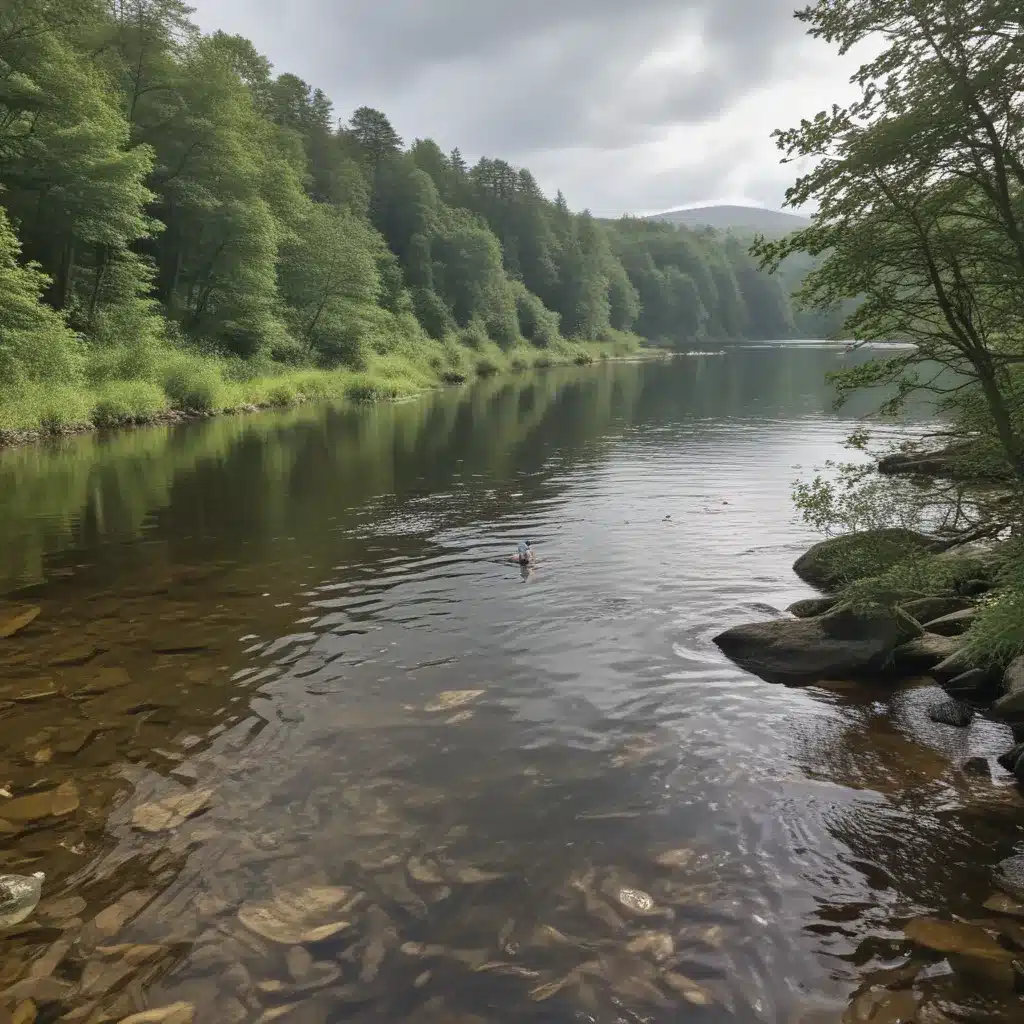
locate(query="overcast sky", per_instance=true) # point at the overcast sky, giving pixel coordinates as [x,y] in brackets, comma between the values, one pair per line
[628,106]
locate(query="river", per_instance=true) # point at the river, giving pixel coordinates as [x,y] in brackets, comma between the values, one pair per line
[296,733]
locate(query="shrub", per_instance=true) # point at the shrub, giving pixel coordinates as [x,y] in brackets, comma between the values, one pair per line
[487,366]
[474,334]
[131,401]
[62,409]
[194,384]
[368,389]
[282,394]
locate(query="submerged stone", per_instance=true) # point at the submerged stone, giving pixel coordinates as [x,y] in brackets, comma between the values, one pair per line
[955,937]
[170,812]
[13,620]
[952,712]
[448,700]
[55,803]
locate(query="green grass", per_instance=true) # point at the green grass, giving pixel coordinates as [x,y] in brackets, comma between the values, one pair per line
[996,636]
[175,379]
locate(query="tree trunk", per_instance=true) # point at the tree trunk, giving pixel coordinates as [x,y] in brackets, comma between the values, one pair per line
[1013,445]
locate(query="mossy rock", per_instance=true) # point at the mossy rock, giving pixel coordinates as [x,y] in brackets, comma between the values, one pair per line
[811,607]
[838,561]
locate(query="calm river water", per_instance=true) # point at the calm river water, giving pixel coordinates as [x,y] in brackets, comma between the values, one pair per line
[293,740]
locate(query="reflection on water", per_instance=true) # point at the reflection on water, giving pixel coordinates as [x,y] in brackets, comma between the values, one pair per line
[292,738]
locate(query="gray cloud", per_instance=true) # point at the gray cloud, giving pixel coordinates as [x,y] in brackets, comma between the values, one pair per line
[576,85]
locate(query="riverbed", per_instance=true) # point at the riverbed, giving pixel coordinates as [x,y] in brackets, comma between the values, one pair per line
[302,743]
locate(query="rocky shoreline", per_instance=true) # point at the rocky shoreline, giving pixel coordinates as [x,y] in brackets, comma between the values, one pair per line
[899,636]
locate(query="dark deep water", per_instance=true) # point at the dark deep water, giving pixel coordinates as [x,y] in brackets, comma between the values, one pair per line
[430,787]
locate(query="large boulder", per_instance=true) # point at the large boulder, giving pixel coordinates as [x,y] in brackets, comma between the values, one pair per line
[1010,705]
[974,683]
[960,661]
[927,609]
[832,563]
[954,624]
[944,462]
[924,652]
[838,644]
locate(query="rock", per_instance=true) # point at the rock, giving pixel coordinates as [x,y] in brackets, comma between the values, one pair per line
[838,644]
[103,680]
[39,990]
[54,803]
[1011,757]
[636,901]
[1011,705]
[688,989]
[924,652]
[62,909]
[977,766]
[299,962]
[1000,903]
[112,919]
[952,712]
[25,1013]
[447,700]
[954,624]
[13,620]
[811,606]
[29,691]
[79,654]
[955,937]
[175,1013]
[883,1006]
[956,664]
[831,563]
[942,462]
[967,684]
[172,811]
[1009,876]
[927,609]
[99,978]
[299,918]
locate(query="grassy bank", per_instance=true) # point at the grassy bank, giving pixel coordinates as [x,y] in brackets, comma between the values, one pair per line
[125,387]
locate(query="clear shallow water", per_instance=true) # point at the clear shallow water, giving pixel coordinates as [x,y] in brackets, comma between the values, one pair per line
[307,625]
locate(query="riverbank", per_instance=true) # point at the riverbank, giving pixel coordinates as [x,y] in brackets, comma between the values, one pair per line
[899,605]
[182,387]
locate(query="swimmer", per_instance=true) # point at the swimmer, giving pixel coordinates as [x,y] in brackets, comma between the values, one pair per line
[524,556]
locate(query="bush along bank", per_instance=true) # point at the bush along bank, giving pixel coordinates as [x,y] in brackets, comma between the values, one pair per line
[899,604]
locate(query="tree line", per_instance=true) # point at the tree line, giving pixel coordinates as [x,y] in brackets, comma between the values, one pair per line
[161,187]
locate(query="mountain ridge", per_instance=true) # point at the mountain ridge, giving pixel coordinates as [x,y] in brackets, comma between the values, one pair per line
[731,217]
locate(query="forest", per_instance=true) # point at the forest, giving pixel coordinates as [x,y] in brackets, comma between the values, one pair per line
[181,227]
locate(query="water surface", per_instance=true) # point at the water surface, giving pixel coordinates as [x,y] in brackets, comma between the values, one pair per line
[287,678]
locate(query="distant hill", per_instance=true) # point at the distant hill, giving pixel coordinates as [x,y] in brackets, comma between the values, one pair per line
[741,219]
